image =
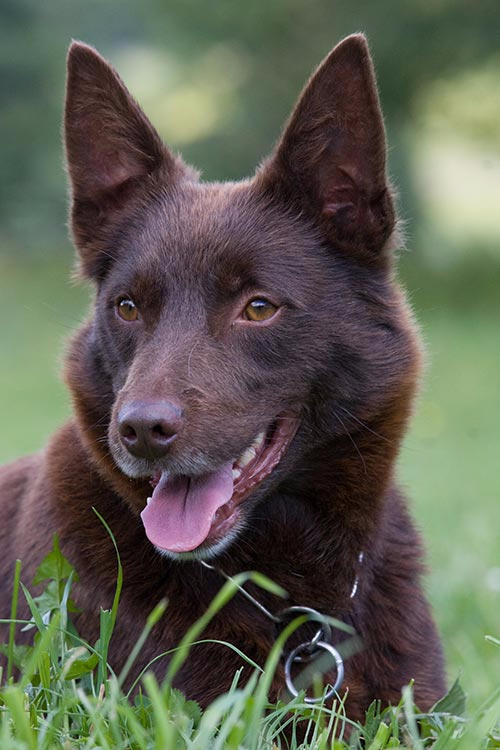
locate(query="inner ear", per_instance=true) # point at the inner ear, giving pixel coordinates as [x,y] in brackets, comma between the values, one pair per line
[331,159]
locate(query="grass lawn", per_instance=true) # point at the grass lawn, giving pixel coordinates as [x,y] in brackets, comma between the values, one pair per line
[450,463]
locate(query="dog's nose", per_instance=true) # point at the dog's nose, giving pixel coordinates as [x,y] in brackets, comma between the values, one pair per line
[148,428]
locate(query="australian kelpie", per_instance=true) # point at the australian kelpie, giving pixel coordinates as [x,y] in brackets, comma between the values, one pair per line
[240,391]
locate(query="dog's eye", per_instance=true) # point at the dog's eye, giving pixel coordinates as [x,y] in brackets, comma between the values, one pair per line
[127,309]
[259,310]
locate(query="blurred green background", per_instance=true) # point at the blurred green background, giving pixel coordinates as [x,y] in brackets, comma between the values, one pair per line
[218,79]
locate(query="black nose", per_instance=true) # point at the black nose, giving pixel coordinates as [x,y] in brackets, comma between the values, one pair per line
[148,428]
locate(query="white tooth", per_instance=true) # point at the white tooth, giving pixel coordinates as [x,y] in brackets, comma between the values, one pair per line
[246,457]
[236,473]
[148,500]
[259,440]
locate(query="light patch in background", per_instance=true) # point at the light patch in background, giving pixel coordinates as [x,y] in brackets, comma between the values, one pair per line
[185,101]
[456,159]
[459,185]
[493,579]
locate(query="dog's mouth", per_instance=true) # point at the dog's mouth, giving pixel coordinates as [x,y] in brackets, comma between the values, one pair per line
[186,513]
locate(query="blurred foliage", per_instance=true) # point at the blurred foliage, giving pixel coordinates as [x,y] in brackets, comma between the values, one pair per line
[218,79]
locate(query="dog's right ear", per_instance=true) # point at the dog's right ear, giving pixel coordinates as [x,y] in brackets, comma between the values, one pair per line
[331,160]
[111,148]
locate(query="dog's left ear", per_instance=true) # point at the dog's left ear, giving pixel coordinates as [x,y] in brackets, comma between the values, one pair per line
[331,159]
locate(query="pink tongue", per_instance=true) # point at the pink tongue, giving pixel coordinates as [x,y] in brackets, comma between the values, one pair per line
[181,510]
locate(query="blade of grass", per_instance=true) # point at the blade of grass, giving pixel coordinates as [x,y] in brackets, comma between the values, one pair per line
[108,623]
[97,734]
[411,721]
[134,726]
[151,621]
[164,734]
[231,646]
[234,705]
[15,700]
[223,596]
[13,616]
[45,644]
[482,723]
[381,737]
[264,684]
[35,612]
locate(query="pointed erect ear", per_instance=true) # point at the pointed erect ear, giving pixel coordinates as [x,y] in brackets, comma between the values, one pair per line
[331,160]
[111,147]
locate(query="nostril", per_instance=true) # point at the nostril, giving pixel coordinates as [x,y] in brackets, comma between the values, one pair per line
[163,431]
[127,431]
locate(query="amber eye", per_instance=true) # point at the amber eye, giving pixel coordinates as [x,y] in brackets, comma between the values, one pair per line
[127,309]
[259,310]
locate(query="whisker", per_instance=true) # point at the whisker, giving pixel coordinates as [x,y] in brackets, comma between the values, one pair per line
[363,424]
[352,441]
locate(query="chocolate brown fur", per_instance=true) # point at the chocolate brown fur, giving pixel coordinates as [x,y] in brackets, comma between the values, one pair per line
[315,228]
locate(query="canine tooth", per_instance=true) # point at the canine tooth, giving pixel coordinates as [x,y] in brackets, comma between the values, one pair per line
[246,457]
[148,500]
[236,473]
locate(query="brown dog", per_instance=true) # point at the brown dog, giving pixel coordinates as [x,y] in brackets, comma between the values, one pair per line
[251,357]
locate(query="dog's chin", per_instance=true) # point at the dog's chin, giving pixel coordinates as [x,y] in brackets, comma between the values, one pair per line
[209,550]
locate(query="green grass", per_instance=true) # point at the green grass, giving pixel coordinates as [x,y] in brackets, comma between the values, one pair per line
[449,464]
[68,698]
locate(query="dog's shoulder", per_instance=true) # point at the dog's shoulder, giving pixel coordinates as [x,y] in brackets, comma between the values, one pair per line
[15,482]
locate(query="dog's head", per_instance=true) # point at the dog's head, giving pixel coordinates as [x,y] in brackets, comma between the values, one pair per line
[238,327]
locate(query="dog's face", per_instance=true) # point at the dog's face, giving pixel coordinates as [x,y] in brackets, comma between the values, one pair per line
[238,327]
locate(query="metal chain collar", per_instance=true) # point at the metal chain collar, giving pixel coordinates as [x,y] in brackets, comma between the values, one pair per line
[308,651]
